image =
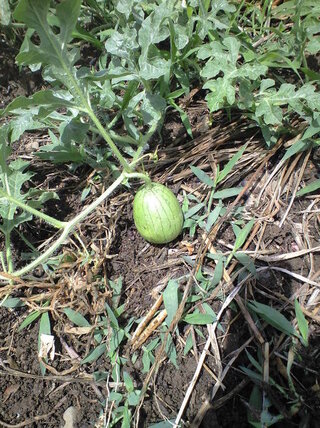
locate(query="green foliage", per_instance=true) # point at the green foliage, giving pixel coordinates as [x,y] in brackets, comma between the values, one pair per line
[44,328]
[315,185]
[76,318]
[302,323]
[12,197]
[171,300]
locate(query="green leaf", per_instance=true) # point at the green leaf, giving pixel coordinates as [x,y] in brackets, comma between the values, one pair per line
[193,210]
[133,398]
[126,417]
[224,59]
[44,328]
[115,340]
[218,273]
[184,117]
[222,93]
[242,235]
[297,147]
[76,318]
[53,49]
[64,149]
[213,217]
[153,69]
[29,320]
[46,98]
[227,193]
[152,108]
[123,44]
[12,179]
[247,262]
[12,302]
[112,317]
[115,396]
[128,382]
[273,317]
[302,322]
[170,300]
[202,176]
[315,185]
[256,404]
[171,350]
[188,345]
[154,28]
[146,361]
[163,424]
[271,113]
[82,34]
[198,319]
[228,167]
[95,354]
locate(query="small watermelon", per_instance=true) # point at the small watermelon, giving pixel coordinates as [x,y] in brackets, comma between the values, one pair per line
[157,213]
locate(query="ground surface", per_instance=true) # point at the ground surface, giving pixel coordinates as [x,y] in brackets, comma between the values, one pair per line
[28,399]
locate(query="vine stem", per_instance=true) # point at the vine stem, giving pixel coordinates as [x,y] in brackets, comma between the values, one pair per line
[69,226]
[108,139]
[50,220]
[8,253]
[140,175]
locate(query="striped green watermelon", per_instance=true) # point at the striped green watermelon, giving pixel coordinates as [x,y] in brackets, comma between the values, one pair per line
[157,213]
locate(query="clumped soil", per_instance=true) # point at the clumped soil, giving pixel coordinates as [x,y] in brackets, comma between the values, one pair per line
[29,399]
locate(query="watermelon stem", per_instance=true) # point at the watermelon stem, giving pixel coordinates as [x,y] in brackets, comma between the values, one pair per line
[140,175]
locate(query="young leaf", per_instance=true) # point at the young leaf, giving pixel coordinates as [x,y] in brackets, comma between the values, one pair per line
[128,382]
[95,354]
[171,301]
[163,424]
[12,302]
[198,318]
[227,193]
[44,328]
[246,261]
[315,185]
[228,167]
[171,351]
[243,234]
[76,318]
[193,210]
[302,322]
[202,176]
[213,216]
[188,345]
[273,317]
[218,273]
[29,320]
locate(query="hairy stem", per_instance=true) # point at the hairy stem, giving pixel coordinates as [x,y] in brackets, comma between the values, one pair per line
[108,139]
[50,220]
[67,229]
[8,253]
